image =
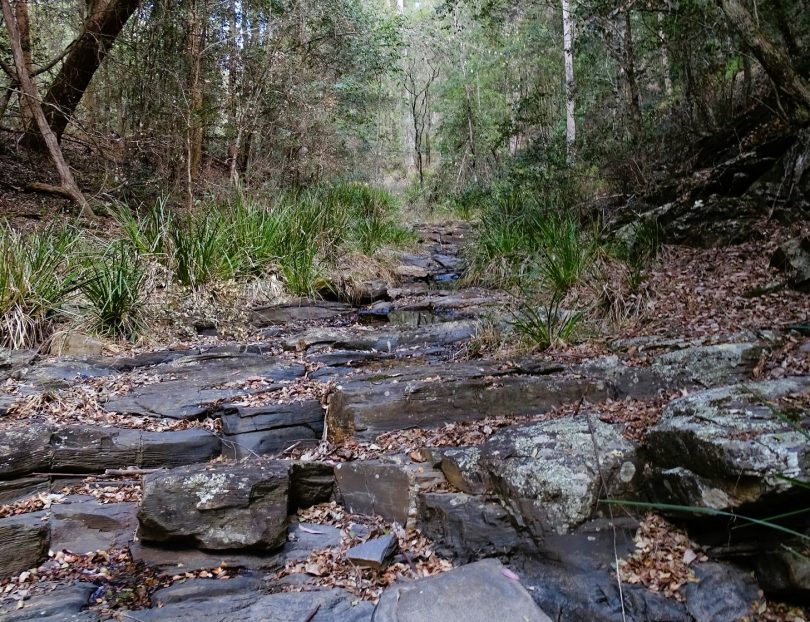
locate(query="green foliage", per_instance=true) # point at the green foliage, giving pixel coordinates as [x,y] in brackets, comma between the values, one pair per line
[200,248]
[36,275]
[113,284]
[545,325]
[147,232]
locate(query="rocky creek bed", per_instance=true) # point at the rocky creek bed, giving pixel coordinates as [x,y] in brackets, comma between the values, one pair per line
[355,464]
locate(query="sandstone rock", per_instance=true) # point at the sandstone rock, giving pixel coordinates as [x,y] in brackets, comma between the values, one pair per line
[61,373]
[430,396]
[298,311]
[783,573]
[375,553]
[374,488]
[547,473]
[202,589]
[269,429]
[221,507]
[83,525]
[87,449]
[311,483]
[725,447]
[462,468]
[479,592]
[24,542]
[64,604]
[250,606]
[72,343]
[712,365]
[468,527]
[196,384]
[25,449]
[723,594]
[793,257]
[12,490]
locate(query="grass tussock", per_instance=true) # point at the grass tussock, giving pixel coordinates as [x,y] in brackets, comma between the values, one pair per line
[297,236]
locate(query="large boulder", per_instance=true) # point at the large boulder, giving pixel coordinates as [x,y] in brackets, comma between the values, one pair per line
[728,447]
[479,592]
[551,474]
[219,507]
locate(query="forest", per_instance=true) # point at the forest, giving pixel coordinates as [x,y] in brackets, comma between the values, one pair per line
[498,299]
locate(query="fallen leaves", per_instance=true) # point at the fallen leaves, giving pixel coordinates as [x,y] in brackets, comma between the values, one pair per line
[663,558]
[331,568]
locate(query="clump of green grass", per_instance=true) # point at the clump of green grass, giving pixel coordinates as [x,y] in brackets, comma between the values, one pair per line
[36,276]
[113,283]
[543,326]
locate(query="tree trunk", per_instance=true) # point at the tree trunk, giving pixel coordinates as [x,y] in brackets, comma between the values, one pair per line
[630,75]
[85,57]
[791,85]
[69,187]
[24,28]
[196,44]
[568,54]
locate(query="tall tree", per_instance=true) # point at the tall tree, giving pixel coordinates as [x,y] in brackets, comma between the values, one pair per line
[568,53]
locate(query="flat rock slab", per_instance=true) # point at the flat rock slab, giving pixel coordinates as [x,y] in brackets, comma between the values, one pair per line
[388,340]
[713,364]
[479,592]
[727,447]
[40,447]
[299,311]
[194,385]
[62,372]
[64,604]
[170,561]
[430,396]
[247,606]
[203,589]
[376,553]
[219,507]
[548,475]
[83,525]
[24,542]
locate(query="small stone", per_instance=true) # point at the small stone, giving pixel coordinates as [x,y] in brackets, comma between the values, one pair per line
[376,553]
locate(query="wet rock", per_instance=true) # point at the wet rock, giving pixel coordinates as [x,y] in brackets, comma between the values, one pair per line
[298,311]
[374,488]
[195,384]
[24,542]
[725,447]
[479,592]
[247,606]
[86,449]
[221,507]
[72,343]
[468,527]
[270,429]
[311,483]
[714,364]
[64,604]
[430,396]
[723,594]
[547,473]
[376,553]
[793,257]
[83,525]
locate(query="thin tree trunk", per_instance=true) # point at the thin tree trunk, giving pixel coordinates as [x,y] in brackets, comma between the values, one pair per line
[665,64]
[794,88]
[85,57]
[69,187]
[630,74]
[568,53]
[196,131]
[24,28]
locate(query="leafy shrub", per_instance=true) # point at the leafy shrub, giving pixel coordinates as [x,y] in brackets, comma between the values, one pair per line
[113,284]
[544,326]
